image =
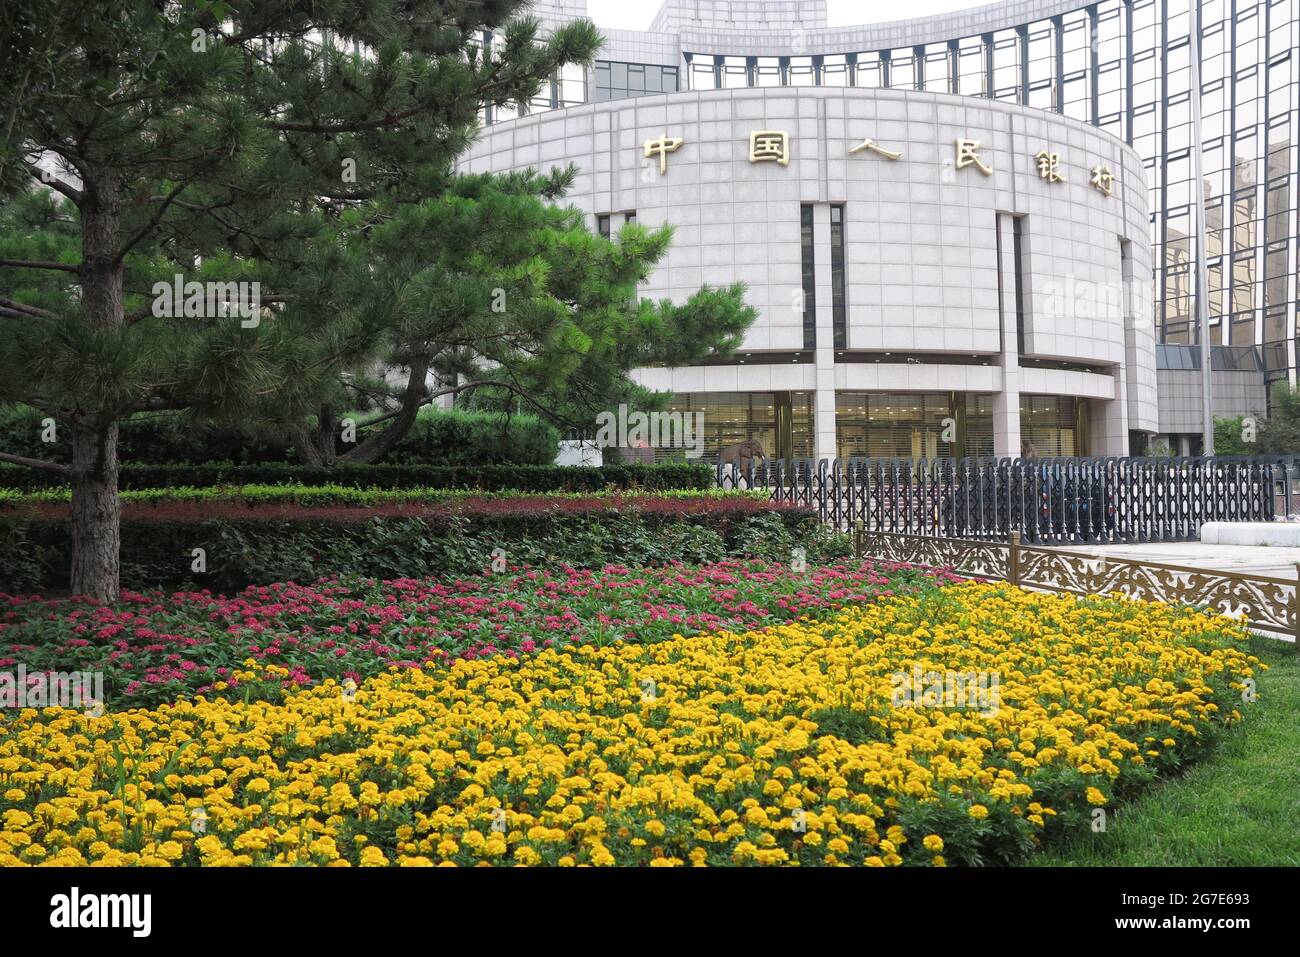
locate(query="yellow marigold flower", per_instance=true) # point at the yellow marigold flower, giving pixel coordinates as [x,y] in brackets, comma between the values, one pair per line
[1095,797]
[978,811]
[933,843]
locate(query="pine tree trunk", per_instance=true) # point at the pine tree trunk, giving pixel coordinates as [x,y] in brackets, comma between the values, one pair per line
[96,513]
[377,446]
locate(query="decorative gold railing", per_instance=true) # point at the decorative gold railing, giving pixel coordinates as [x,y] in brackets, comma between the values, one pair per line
[1268,604]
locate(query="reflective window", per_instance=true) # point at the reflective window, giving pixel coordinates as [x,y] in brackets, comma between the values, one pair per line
[617,81]
[808,258]
[1049,423]
[839,313]
[892,425]
[782,422]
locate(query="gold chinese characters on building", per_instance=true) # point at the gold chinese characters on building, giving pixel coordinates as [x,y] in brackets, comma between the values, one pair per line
[774,146]
[769,146]
[1103,180]
[1049,166]
[661,147]
[869,144]
[968,155]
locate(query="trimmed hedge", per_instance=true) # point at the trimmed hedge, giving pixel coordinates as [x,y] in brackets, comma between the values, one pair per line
[438,436]
[51,500]
[258,544]
[487,478]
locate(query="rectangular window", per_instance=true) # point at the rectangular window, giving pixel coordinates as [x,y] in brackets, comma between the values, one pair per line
[602,225]
[809,276]
[839,312]
[1017,252]
[978,440]
[888,425]
[618,81]
[1048,423]
[782,422]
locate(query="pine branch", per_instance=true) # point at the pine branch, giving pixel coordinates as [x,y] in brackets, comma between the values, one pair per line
[153,222]
[38,264]
[53,182]
[19,309]
[35,463]
[430,396]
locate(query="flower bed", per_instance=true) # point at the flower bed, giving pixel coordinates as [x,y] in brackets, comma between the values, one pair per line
[153,648]
[770,747]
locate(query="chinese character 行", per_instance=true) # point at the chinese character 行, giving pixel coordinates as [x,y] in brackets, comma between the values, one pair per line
[1049,166]
[661,147]
[769,145]
[1103,178]
[968,155]
[868,144]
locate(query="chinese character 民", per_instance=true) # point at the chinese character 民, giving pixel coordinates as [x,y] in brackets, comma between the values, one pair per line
[1049,166]
[968,155]
[769,145]
[661,148]
[1103,179]
[868,144]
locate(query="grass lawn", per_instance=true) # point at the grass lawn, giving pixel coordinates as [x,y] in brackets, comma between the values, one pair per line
[1238,808]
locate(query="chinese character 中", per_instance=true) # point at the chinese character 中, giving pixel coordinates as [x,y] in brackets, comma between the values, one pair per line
[769,145]
[661,147]
[868,144]
[1049,166]
[1103,179]
[968,155]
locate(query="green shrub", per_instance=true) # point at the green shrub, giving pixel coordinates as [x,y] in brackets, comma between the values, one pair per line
[487,478]
[456,437]
[247,543]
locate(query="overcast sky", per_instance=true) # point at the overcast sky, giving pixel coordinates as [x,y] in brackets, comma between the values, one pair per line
[637,14]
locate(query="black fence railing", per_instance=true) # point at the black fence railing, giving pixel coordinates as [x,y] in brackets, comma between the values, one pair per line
[1047,500]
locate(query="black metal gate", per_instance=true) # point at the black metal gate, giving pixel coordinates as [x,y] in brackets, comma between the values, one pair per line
[1047,500]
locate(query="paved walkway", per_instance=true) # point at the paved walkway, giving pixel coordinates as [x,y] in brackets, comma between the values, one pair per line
[1270,561]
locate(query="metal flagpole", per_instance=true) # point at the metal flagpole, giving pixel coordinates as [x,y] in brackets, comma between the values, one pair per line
[1201,270]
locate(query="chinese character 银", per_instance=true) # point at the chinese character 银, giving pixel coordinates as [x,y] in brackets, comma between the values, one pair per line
[1049,166]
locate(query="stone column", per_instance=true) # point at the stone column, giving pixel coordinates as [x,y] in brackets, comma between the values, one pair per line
[824,414]
[1006,403]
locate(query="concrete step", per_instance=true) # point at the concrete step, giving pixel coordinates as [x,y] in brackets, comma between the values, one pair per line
[1284,534]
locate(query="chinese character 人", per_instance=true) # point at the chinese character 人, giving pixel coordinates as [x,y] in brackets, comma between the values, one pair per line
[661,147]
[1103,179]
[968,155]
[1049,166]
[769,145]
[875,147]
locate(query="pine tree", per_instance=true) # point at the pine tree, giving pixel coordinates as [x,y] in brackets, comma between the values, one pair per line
[511,302]
[217,141]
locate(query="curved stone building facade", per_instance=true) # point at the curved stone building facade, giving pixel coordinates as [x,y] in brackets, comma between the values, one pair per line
[1122,67]
[962,283]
